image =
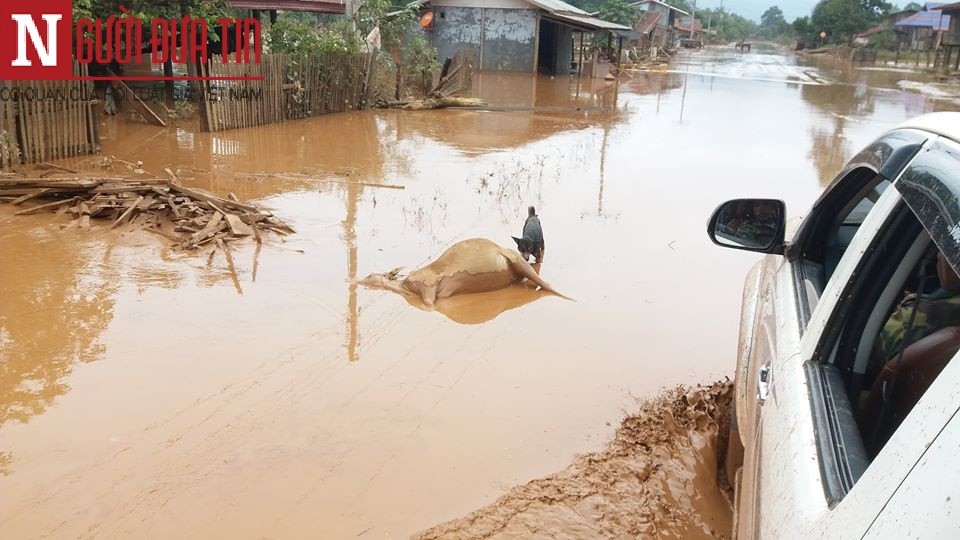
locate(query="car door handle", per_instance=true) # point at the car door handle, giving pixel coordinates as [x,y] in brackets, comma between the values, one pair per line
[764,383]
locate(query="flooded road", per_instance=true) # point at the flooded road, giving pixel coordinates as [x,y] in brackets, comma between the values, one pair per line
[145,393]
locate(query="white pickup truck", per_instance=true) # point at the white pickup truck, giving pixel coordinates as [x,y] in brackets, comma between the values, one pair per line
[846,397]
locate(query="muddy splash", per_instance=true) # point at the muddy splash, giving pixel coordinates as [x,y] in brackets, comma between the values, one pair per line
[657,478]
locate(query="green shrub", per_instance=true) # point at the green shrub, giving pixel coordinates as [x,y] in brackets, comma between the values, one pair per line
[298,37]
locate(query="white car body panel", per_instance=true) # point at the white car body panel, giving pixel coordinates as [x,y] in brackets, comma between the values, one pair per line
[910,489]
[924,505]
[927,504]
[786,418]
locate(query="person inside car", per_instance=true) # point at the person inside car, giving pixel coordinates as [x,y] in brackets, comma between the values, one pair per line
[761,227]
[915,344]
[935,310]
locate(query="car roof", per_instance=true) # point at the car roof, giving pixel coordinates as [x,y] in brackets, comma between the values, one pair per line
[946,124]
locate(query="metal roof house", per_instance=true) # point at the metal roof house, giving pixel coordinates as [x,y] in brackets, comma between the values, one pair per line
[658,26]
[922,27]
[950,40]
[532,36]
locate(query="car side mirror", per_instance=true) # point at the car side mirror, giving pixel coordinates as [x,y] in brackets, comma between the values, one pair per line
[749,224]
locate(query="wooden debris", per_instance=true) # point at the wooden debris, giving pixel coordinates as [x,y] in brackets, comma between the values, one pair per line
[233,269]
[29,196]
[53,205]
[146,112]
[189,217]
[366,184]
[237,227]
[207,197]
[256,232]
[438,101]
[127,213]
[49,165]
[297,177]
[79,183]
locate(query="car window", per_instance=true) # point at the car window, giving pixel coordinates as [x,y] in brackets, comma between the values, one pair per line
[931,186]
[825,234]
[863,206]
[849,218]
[897,325]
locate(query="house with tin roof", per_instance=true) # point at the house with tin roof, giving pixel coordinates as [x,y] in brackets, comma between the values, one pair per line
[658,25]
[950,38]
[533,36]
[921,29]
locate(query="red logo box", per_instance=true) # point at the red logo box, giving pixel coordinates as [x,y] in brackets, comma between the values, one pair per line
[35,39]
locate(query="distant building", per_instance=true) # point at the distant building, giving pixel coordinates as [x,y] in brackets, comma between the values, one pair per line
[920,29]
[534,36]
[950,39]
[886,23]
[658,24]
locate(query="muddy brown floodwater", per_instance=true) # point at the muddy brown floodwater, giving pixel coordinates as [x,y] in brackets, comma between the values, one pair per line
[145,393]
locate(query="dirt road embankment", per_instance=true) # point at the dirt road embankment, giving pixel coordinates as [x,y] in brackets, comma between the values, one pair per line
[656,479]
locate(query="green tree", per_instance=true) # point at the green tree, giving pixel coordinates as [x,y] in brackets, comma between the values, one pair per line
[145,10]
[841,19]
[803,29]
[681,4]
[619,11]
[727,26]
[295,35]
[885,41]
[772,17]
[772,23]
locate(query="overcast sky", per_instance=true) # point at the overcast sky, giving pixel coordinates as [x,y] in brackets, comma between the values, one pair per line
[752,9]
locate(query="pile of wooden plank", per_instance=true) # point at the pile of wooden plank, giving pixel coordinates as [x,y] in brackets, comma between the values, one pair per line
[189,217]
[456,78]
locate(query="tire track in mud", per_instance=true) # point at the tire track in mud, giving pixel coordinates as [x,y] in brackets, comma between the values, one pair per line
[657,478]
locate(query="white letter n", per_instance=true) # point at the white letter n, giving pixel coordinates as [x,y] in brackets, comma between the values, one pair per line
[25,24]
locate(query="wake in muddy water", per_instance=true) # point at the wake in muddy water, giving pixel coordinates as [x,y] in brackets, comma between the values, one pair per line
[658,478]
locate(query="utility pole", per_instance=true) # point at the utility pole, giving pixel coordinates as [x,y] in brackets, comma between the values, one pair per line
[720,22]
[693,19]
[350,8]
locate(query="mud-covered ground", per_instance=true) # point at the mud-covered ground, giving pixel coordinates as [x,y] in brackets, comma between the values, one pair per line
[149,393]
[657,478]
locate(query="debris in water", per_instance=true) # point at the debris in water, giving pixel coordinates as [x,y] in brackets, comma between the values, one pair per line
[189,217]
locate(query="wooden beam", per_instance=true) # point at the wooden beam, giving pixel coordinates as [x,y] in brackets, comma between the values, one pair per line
[138,104]
[536,45]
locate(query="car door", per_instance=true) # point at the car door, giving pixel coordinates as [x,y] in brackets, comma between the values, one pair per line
[926,503]
[859,488]
[787,292]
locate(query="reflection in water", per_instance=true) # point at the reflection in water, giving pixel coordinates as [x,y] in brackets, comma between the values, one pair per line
[830,149]
[478,308]
[518,91]
[350,238]
[53,308]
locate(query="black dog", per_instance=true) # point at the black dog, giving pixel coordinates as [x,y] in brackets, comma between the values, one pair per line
[532,241]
